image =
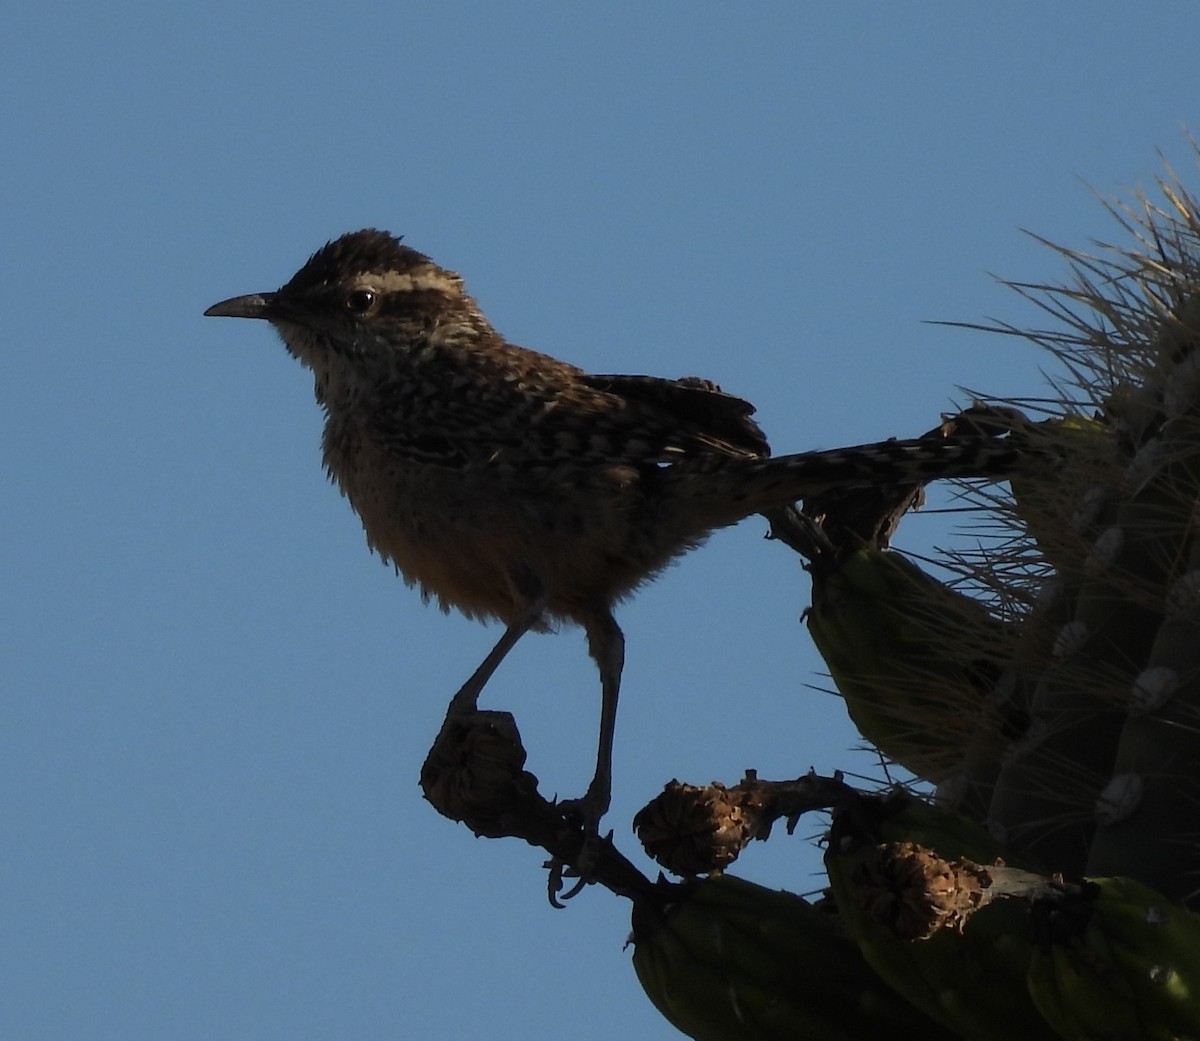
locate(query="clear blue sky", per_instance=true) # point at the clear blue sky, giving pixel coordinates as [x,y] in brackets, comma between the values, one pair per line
[214,701]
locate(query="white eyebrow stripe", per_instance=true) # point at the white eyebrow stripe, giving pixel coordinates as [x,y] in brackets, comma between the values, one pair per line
[431,278]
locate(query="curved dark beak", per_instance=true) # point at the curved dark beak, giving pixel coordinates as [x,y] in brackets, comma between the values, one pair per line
[256,305]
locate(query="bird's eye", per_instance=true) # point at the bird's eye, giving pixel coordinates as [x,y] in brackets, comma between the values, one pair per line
[360,301]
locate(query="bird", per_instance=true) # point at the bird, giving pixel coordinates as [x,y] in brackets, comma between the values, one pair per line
[514,487]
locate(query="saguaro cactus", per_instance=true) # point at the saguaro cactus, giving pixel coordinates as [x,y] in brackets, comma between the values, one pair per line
[1052,695]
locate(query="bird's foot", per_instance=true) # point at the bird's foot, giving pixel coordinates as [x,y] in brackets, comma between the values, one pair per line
[581,869]
[560,871]
[586,812]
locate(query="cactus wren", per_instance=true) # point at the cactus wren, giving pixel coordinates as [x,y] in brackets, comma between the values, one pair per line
[513,486]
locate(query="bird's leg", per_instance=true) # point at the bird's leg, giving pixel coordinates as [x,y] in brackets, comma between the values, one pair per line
[607,646]
[463,703]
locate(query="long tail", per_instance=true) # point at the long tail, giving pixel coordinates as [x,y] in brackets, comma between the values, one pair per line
[724,490]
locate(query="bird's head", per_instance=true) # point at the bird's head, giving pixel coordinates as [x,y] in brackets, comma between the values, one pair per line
[361,296]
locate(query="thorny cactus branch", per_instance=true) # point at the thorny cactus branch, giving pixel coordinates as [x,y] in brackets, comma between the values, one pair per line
[475,773]
[693,830]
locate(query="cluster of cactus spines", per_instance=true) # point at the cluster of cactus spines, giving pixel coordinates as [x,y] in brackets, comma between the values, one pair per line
[1148,813]
[1033,569]
[1106,779]
[1051,692]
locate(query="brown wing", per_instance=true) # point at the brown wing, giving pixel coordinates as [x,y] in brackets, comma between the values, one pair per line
[704,416]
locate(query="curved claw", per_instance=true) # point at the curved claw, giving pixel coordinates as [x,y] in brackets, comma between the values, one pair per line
[555,882]
[582,869]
